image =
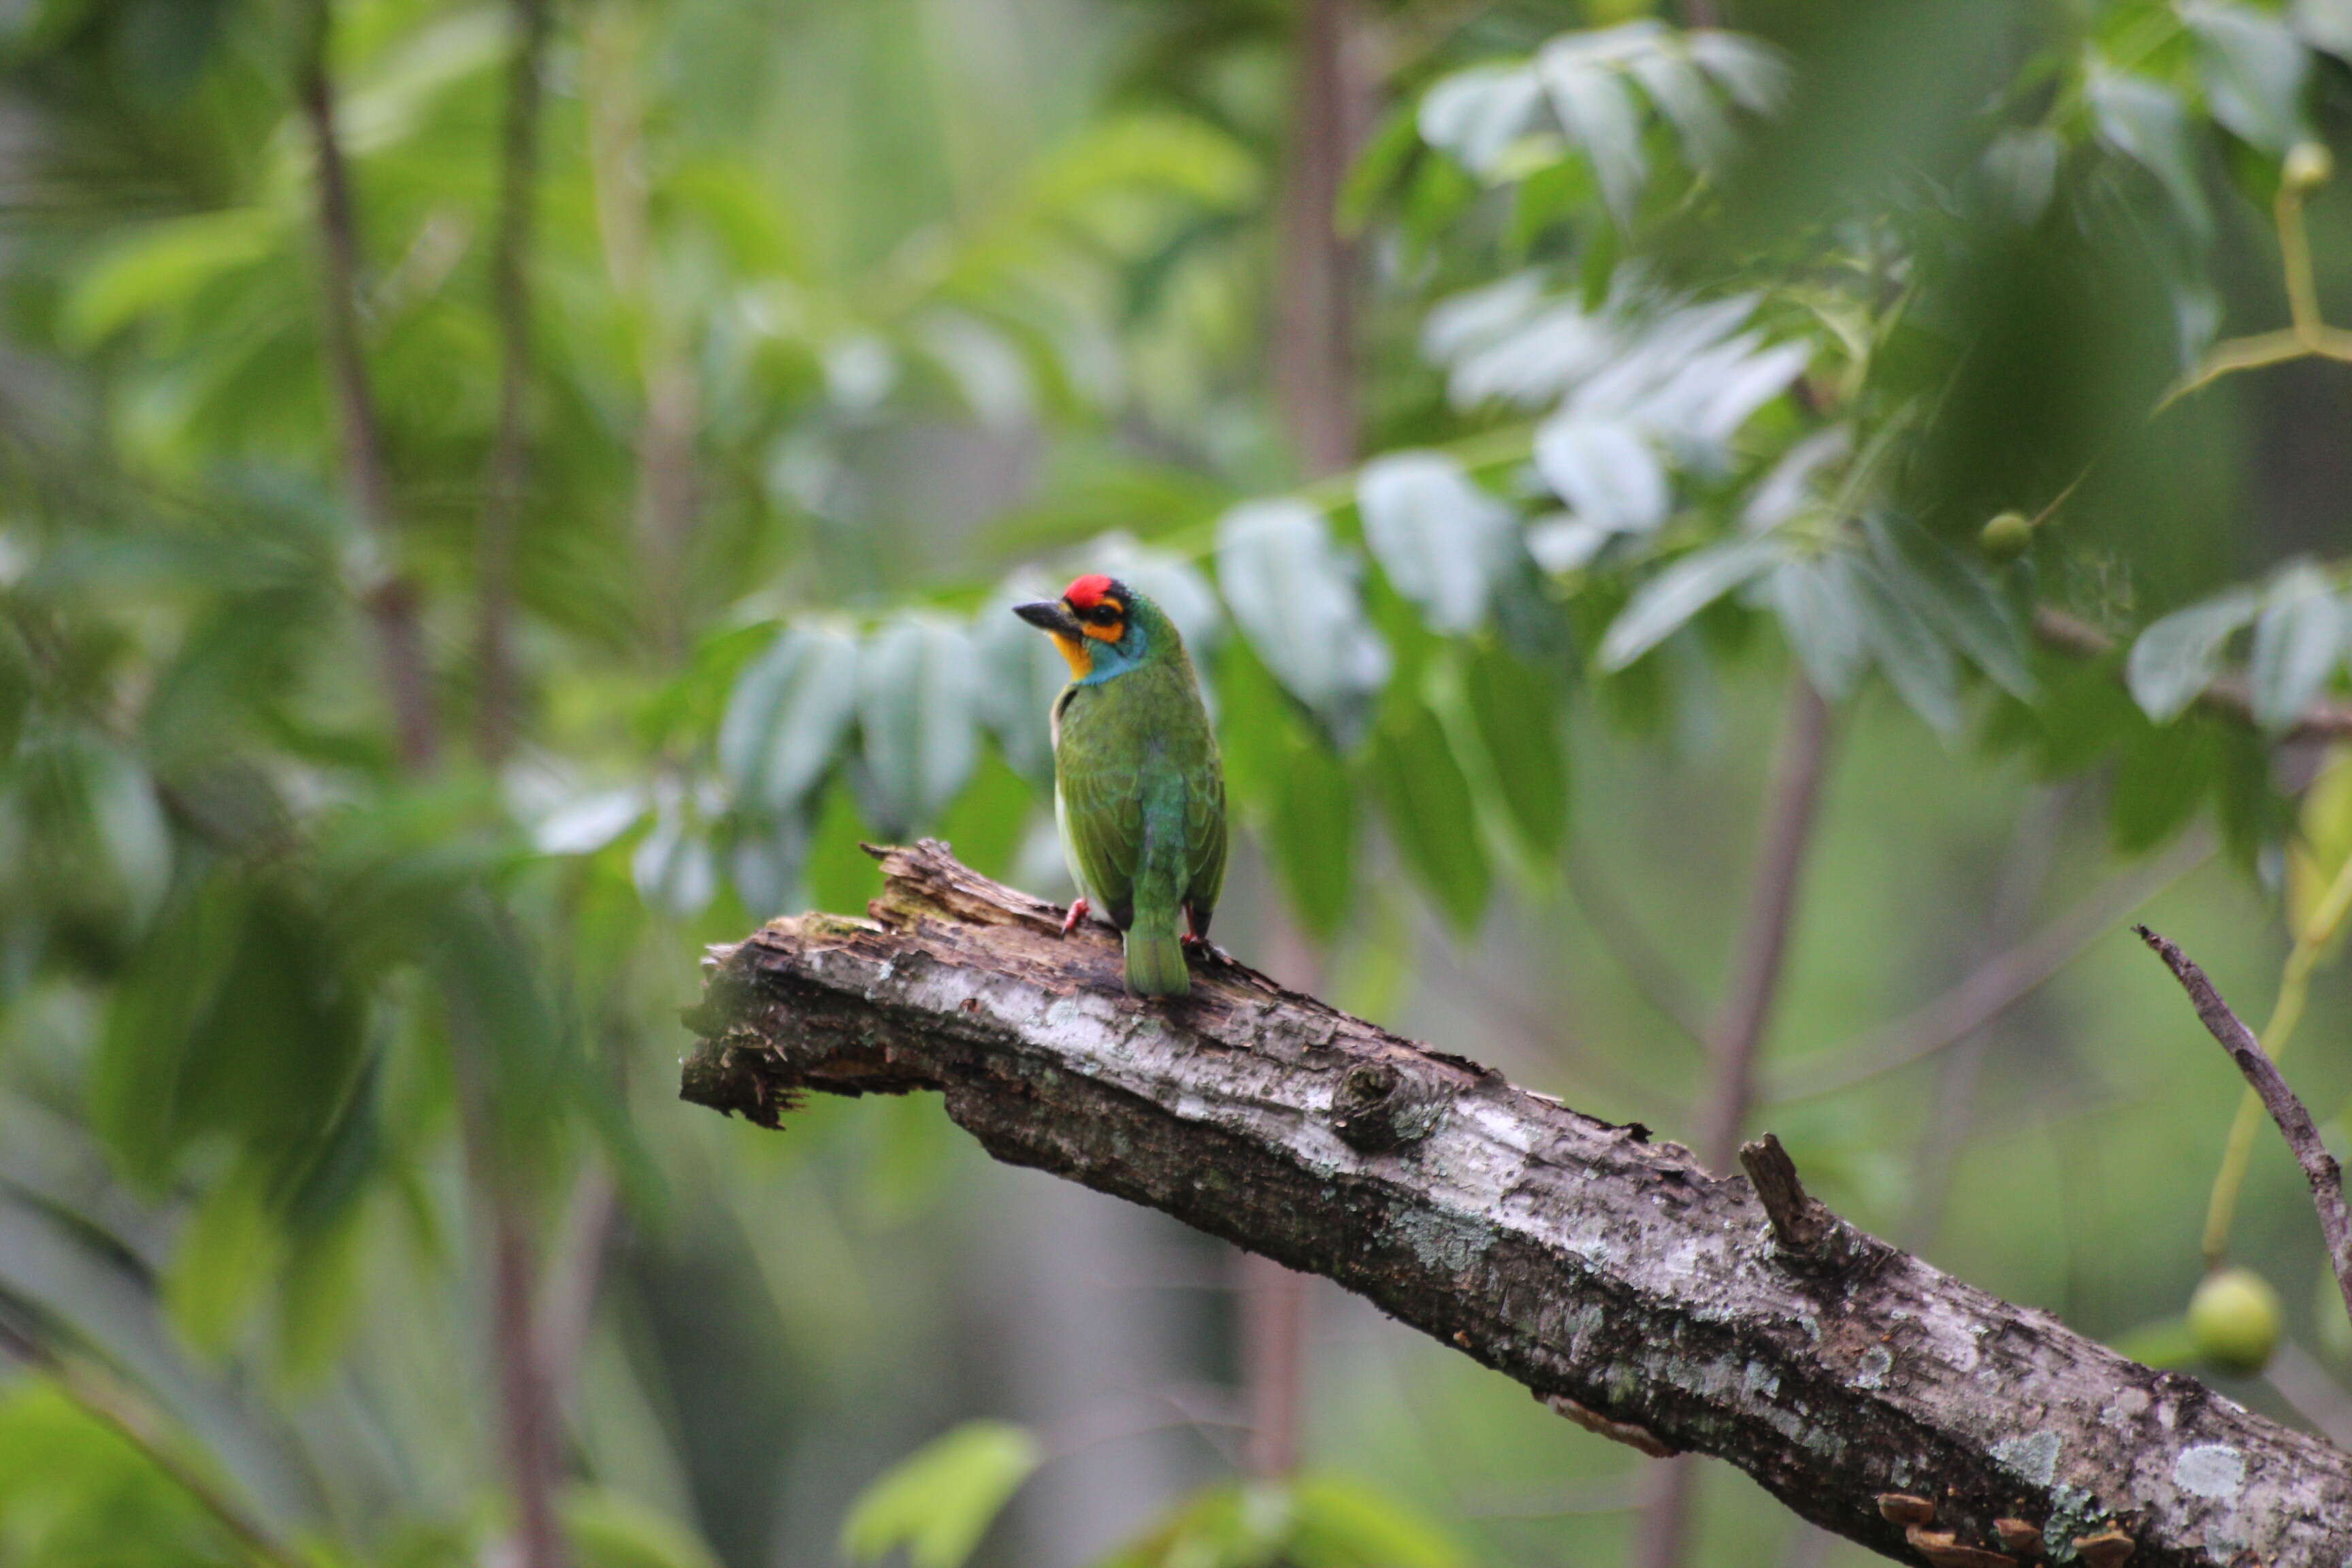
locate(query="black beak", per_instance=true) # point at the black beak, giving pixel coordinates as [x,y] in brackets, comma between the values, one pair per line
[1049,615]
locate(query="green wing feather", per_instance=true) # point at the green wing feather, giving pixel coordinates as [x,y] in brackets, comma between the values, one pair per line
[1102,817]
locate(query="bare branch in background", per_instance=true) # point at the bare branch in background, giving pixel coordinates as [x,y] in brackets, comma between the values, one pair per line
[1575,1257]
[1792,808]
[1988,991]
[510,476]
[388,596]
[2295,1124]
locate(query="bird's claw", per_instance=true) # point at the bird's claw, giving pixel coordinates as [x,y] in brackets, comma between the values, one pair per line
[1078,909]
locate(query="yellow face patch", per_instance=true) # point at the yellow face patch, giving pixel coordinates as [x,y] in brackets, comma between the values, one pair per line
[1111,633]
[1075,652]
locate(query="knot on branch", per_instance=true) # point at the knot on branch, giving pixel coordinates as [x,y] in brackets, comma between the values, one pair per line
[1381,1106]
[1806,1236]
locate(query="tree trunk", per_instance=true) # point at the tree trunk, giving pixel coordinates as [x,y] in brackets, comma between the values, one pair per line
[1612,1275]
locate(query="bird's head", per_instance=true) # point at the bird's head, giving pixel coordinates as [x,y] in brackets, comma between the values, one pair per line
[1102,627]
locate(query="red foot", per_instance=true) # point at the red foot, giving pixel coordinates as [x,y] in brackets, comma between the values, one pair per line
[1078,912]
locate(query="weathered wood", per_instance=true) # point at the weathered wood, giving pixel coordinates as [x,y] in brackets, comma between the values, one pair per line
[1603,1270]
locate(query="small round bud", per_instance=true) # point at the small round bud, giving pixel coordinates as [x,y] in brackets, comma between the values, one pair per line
[2007,536]
[2309,165]
[2234,1319]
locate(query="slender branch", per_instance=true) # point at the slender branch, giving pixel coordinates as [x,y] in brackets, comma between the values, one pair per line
[1579,1258]
[106,1401]
[2312,939]
[1739,1028]
[388,598]
[2227,695]
[1987,991]
[2295,1124]
[1746,1012]
[510,474]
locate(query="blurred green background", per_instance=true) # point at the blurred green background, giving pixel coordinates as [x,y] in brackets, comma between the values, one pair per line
[497,496]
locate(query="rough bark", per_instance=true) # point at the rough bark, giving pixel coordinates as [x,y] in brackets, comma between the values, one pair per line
[1608,1273]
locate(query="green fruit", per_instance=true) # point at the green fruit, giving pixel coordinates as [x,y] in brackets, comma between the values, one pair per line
[2309,165]
[2007,536]
[2234,1319]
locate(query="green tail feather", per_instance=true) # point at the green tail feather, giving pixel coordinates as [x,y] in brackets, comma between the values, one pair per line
[1155,962]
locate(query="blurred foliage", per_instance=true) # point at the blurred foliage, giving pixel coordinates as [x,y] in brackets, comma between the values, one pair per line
[1852,338]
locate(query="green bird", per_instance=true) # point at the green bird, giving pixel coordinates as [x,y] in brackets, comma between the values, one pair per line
[1138,792]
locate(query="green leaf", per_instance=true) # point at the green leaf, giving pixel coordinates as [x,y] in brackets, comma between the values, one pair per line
[1682,92]
[1816,600]
[2173,661]
[1597,112]
[2324,24]
[162,266]
[1605,471]
[1477,115]
[2299,640]
[2144,121]
[1292,789]
[916,696]
[1661,605]
[1292,592]
[1755,76]
[1343,1523]
[1515,711]
[610,1530]
[2254,68]
[786,717]
[1442,542]
[1958,599]
[1916,662]
[2160,780]
[1432,814]
[940,1500]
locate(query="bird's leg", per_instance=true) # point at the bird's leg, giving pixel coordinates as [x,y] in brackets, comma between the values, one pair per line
[1078,907]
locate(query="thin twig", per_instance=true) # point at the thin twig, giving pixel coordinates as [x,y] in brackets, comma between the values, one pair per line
[1746,1012]
[1791,810]
[511,452]
[104,1401]
[389,598]
[2295,1124]
[2227,695]
[1990,990]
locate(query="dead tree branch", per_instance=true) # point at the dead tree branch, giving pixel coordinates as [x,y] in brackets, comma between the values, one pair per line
[1582,1260]
[2262,1074]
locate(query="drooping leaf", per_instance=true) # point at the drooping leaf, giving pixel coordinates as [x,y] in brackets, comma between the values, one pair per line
[1755,76]
[1292,592]
[2300,639]
[1661,605]
[916,681]
[1290,787]
[1477,114]
[787,716]
[2021,167]
[1514,710]
[1957,598]
[1442,542]
[1598,113]
[940,1499]
[2253,67]
[2161,778]
[2324,24]
[1431,816]
[1683,93]
[1817,602]
[2144,121]
[2177,658]
[1604,470]
[610,1530]
[1343,1523]
[674,866]
[1917,662]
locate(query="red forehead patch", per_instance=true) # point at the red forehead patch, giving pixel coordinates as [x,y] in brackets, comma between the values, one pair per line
[1088,592]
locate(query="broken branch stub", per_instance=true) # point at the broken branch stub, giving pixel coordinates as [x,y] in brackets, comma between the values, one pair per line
[1594,1267]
